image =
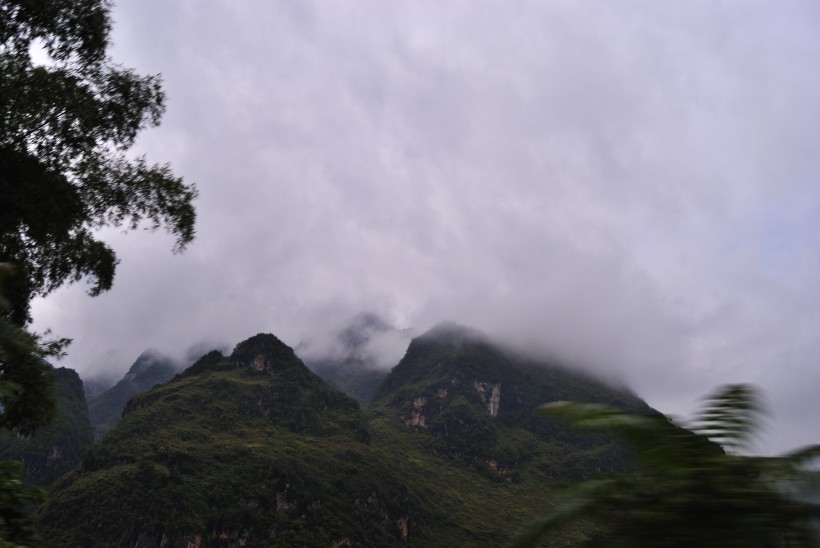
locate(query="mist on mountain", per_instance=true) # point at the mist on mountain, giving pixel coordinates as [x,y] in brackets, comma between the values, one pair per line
[356,356]
[150,368]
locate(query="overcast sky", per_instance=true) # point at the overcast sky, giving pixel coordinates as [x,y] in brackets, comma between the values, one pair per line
[631,185]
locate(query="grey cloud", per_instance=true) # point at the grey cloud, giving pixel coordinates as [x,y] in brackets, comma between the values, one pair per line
[629,186]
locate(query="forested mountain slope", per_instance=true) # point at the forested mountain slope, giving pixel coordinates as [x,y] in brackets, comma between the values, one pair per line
[58,447]
[478,403]
[253,449]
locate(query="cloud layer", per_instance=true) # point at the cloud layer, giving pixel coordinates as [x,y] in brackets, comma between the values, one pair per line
[632,186]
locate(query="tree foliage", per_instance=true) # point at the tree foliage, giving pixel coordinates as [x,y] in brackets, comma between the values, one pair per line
[26,385]
[16,526]
[690,492]
[65,129]
[27,401]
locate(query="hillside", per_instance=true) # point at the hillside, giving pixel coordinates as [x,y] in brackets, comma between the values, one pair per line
[248,449]
[477,403]
[253,449]
[59,447]
[149,369]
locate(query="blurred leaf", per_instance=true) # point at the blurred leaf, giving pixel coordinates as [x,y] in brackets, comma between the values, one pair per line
[690,491]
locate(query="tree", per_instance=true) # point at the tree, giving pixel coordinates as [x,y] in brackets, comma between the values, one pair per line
[27,401]
[26,384]
[16,525]
[65,129]
[690,491]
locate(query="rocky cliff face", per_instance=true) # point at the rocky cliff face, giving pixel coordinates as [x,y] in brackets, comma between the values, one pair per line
[57,448]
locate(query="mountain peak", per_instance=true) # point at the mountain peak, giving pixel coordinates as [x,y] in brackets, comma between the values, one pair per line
[147,359]
[369,320]
[465,391]
[450,337]
[452,332]
[263,353]
[360,330]
[150,354]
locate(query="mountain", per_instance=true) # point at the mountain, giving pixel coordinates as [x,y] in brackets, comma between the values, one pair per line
[59,447]
[477,402]
[93,387]
[351,359]
[253,449]
[151,368]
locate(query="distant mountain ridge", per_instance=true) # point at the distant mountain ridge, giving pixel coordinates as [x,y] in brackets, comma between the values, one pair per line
[348,362]
[150,368]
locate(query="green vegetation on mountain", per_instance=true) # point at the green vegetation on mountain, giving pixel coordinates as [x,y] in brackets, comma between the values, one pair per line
[151,368]
[60,446]
[477,403]
[250,447]
[254,449]
[30,460]
[358,382]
